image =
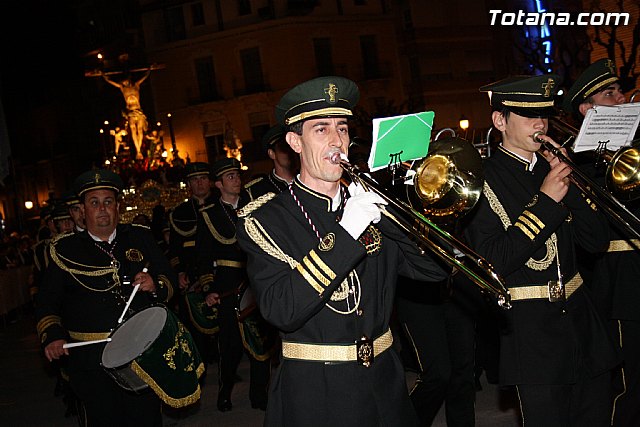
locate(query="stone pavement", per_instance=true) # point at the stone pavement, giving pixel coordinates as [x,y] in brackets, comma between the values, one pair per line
[27,385]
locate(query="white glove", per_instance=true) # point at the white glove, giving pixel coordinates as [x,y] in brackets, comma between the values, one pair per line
[361,210]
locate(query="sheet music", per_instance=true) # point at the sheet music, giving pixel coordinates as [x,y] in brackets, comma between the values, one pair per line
[615,125]
[400,138]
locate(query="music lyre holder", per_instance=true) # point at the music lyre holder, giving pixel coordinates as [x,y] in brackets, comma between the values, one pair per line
[394,165]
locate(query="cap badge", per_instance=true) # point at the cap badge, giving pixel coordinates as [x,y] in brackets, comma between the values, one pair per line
[611,66]
[97,178]
[547,87]
[331,90]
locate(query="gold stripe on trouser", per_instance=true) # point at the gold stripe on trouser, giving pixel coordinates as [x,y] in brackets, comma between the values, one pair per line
[89,336]
[542,291]
[230,263]
[624,245]
[332,352]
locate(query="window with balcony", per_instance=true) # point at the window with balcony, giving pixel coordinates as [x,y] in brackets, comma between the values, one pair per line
[252,70]
[370,62]
[206,76]
[244,7]
[197,14]
[174,20]
[215,147]
[324,57]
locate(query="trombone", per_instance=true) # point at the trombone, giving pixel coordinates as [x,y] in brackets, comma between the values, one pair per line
[430,235]
[623,165]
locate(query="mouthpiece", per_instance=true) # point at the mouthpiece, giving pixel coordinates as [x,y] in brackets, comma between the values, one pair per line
[536,137]
[338,156]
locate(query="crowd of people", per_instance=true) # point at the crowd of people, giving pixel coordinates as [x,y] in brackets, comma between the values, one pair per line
[298,270]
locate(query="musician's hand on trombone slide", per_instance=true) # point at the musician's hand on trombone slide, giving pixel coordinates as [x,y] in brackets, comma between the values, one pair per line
[556,183]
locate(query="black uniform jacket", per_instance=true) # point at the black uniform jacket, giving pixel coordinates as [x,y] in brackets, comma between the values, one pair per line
[332,291]
[266,184]
[183,221]
[542,342]
[80,300]
[219,255]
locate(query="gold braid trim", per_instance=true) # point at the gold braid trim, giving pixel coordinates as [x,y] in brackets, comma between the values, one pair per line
[259,235]
[97,270]
[163,281]
[219,237]
[171,401]
[551,243]
[187,233]
[255,204]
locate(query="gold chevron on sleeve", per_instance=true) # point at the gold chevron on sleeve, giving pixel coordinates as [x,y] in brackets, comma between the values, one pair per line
[48,321]
[321,264]
[315,272]
[533,218]
[524,220]
[525,230]
[206,279]
[309,278]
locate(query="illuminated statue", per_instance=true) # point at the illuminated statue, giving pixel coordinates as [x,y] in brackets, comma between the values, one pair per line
[134,115]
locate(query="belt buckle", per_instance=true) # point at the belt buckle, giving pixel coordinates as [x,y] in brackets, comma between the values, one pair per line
[364,351]
[556,291]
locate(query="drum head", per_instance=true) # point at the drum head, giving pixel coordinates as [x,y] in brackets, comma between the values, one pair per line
[247,299]
[131,338]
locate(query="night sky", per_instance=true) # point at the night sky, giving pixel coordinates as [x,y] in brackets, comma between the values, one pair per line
[39,66]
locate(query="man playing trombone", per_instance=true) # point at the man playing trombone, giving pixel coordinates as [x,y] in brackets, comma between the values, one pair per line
[324,266]
[554,347]
[615,275]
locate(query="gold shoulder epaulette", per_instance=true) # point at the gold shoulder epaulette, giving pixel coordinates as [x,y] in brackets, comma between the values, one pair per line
[257,203]
[141,225]
[250,183]
[60,236]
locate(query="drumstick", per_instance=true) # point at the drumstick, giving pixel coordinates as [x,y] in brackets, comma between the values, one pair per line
[80,344]
[133,293]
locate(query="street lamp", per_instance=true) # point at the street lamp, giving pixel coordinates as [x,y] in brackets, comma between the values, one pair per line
[464,124]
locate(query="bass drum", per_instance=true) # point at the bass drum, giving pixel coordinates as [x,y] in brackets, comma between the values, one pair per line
[259,337]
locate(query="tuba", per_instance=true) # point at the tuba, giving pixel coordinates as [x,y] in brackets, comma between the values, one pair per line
[445,184]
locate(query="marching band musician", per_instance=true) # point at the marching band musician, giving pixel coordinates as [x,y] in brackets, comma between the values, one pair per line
[85,291]
[284,165]
[324,269]
[554,347]
[218,249]
[183,221]
[616,273]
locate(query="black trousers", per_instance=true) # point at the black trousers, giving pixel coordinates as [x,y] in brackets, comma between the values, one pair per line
[230,350]
[626,411]
[107,404]
[442,337]
[586,403]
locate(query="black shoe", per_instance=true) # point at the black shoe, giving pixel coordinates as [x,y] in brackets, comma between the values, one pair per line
[224,405]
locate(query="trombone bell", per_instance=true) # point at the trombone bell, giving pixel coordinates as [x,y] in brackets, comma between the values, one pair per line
[448,182]
[623,174]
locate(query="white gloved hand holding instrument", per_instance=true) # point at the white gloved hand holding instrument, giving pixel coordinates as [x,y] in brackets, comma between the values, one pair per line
[362,209]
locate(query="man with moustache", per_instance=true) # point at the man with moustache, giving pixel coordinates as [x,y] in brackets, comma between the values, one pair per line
[324,266]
